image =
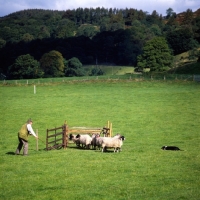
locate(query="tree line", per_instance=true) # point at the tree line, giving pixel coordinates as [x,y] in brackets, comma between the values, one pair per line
[46,43]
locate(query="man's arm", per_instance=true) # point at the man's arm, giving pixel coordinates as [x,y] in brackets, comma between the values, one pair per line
[30,130]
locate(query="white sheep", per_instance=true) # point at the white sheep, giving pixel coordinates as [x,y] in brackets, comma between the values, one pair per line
[117,135]
[74,139]
[98,141]
[94,140]
[114,142]
[85,140]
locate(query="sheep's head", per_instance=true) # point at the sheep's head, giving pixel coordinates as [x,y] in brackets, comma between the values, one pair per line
[78,136]
[122,138]
[97,135]
[71,136]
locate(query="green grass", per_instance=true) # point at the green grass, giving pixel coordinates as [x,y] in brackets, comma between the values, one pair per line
[112,70]
[149,114]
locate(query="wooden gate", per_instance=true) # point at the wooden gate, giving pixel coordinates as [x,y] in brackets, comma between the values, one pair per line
[57,138]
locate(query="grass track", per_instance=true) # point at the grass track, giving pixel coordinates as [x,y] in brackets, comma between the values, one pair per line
[150,115]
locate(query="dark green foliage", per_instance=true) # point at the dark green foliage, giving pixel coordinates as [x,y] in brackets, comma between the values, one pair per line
[52,64]
[196,28]
[181,40]
[25,66]
[169,13]
[2,43]
[87,31]
[156,55]
[96,72]
[65,28]
[94,36]
[73,67]
[187,69]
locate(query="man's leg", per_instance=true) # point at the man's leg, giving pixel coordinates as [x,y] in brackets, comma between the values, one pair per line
[25,143]
[17,152]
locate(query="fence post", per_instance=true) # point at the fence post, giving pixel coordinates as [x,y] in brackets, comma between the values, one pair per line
[65,135]
[34,88]
[110,129]
[47,140]
[37,140]
[55,137]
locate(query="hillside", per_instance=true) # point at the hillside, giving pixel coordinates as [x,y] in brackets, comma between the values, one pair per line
[105,36]
[180,17]
[187,62]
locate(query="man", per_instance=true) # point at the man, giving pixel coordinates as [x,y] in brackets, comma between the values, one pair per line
[23,133]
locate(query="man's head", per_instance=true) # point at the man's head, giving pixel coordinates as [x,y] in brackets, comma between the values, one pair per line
[29,121]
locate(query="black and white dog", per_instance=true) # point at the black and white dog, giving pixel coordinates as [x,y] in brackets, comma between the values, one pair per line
[173,148]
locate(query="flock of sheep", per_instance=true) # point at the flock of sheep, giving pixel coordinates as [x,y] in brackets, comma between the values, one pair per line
[97,142]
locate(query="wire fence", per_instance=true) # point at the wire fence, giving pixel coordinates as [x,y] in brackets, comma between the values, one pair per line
[130,77]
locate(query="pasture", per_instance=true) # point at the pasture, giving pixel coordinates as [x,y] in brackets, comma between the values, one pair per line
[149,114]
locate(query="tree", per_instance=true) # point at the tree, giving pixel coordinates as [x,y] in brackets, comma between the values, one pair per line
[181,40]
[53,64]
[187,17]
[43,32]
[156,30]
[25,66]
[27,37]
[87,31]
[169,12]
[96,72]
[196,28]
[156,55]
[64,29]
[2,43]
[73,67]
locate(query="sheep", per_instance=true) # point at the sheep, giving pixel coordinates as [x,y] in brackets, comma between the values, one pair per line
[93,143]
[84,140]
[114,142]
[117,135]
[73,138]
[98,141]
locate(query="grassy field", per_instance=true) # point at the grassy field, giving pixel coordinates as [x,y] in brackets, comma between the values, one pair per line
[111,70]
[149,114]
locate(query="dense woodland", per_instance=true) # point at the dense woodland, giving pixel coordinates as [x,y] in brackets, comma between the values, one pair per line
[47,43]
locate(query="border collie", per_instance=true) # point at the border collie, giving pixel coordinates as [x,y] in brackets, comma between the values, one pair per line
[173,148]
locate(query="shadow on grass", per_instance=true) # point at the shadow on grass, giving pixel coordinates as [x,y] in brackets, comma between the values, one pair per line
[10,153]
[109,150]
[78,148]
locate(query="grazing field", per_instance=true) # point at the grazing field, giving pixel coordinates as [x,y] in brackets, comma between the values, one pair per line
[111,70]
[149,114]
